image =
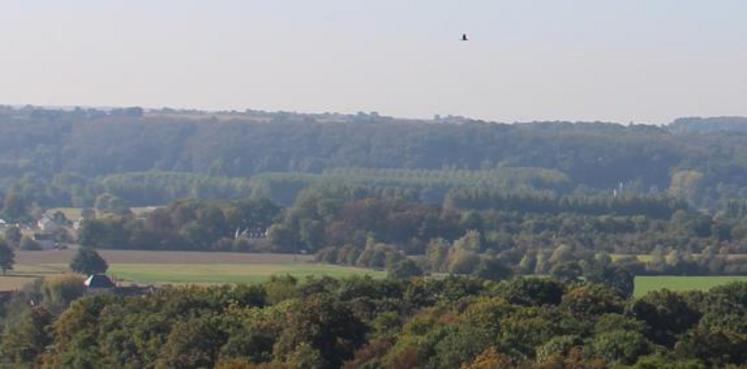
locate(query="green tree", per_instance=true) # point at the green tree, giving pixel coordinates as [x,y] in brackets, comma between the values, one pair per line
[111,204]
[59,292]
[283,238]
[29,244]
[533,291]
[26,339]
[306,357]
[280,288]
[91,232]
[192,344]
[13,236]
[592,299]
[14,206]
[493,269]
[7,257]
[557,346]
[568,271]
[620,346]
[320,324]
[471,241]
[88,261]
[618,278]
[615,322]
[667,313]
[462,261]
[404,269]
[311,234]
[437,254]
[561,254]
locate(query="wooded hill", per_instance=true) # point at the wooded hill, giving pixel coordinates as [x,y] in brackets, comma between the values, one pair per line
[58,158]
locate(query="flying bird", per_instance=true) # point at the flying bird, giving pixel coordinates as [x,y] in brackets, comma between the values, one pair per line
[464,37]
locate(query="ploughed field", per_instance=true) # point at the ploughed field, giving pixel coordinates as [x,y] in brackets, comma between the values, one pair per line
[178,267]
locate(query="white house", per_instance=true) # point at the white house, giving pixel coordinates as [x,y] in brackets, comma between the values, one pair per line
[47,225]
[77,224]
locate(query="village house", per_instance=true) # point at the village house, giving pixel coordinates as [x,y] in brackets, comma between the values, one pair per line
[48,225]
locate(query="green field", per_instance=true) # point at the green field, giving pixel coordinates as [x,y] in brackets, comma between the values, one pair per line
[188,273]
[146,267]
[227,273]
[644,285]
[172,267]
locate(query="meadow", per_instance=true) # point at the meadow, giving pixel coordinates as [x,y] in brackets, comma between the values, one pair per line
[178,267]
[644,285]
[172,267]
[227,273]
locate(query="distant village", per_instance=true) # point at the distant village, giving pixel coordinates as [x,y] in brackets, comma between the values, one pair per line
[53,230]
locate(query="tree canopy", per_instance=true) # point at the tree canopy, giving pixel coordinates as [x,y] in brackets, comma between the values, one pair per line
[360,322]
[87,261]
[7,257]
[71,158]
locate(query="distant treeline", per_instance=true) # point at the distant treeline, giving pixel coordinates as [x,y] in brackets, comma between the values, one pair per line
[528,234]
[62,158]
[523,189]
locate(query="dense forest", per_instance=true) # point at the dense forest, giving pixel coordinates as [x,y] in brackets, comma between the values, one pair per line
[53,157]
[455,322]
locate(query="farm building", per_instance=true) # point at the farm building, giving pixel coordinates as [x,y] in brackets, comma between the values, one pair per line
[47,225]
[98,282]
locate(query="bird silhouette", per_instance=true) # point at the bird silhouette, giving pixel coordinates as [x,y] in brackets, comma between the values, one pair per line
[464,37]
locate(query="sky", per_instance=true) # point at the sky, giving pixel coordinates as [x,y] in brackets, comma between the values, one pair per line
[593,60]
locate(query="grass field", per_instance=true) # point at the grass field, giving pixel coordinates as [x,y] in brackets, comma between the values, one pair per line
[153,267]
[644,285]
[174,267]
[646,258]
[10,283]
[227,273]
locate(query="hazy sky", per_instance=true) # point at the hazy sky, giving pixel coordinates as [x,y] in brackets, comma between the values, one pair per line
[623,60]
